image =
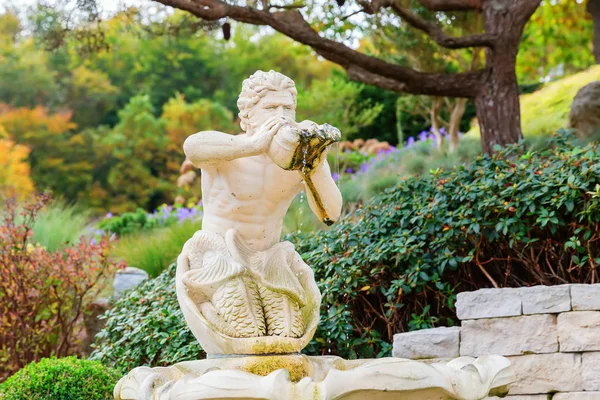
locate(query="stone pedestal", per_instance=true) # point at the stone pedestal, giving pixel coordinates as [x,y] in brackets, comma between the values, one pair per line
[301,377]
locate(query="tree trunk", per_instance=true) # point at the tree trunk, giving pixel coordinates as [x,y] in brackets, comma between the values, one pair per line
[435,122]
[498,108]
[457,113]
[498,111]
[593,8]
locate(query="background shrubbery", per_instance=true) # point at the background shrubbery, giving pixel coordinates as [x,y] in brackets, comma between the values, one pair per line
[61,379]
[518,218]
[43,293]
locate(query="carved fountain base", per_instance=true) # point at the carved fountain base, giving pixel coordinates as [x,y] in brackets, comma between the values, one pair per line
[285,377]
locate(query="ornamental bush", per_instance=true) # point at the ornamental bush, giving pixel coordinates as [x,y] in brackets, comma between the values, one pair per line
[513,219]
[61,379]
[43,293]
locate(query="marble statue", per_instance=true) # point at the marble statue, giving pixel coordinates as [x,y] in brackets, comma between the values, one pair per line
[251,301]
[243,291]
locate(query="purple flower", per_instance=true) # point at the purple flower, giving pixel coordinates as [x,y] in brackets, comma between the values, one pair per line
[335,176]
[423,136]
[410,141]
[364,167]
[443,131]
[349,170]
[108,215]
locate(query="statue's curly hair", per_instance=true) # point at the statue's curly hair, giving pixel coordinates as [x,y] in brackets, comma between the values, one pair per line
[257,86]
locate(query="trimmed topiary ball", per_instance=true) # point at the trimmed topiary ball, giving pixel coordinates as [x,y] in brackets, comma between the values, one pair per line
[67,378]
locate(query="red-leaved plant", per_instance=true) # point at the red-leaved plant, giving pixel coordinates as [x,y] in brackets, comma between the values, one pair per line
[43,294]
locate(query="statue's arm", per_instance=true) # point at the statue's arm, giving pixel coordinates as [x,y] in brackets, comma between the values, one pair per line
[324,197]
[211,147]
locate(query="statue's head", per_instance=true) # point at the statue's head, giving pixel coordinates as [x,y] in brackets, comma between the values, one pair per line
[265,95]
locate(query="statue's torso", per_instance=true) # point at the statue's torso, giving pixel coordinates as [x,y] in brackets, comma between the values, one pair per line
[249,194]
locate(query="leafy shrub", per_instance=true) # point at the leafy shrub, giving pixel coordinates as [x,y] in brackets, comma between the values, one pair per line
[146,327]
[513,219]
[43,293]
[61,379]
[128,222]
[154,251]
[508,220]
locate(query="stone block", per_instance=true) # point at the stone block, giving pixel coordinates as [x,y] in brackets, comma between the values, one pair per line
[545,299]
[585,297]
[591,371]
[525,397]
[427,343]
[579,331]
[547,373]
[577,396]
[509,336]
[488,303]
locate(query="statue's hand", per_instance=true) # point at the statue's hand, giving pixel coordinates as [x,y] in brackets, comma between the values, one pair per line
[261,140]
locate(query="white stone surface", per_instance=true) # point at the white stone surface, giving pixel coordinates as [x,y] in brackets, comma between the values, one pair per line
[241,290]
[524,397]
[547,373]
[585,297]
[318,378]
[427,343]
[488,303]
[579,331]
[577,396]
[545,299]
[127,279]
[591,371]
[509,336]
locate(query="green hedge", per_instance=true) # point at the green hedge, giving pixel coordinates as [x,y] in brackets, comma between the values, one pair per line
[514,219]
[61,379]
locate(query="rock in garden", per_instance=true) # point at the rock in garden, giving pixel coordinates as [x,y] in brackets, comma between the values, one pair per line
[127,279]
[585,110]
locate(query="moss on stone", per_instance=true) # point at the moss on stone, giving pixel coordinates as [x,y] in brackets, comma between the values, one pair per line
[297,366]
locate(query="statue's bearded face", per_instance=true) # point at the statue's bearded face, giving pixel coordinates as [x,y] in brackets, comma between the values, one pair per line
[273,104]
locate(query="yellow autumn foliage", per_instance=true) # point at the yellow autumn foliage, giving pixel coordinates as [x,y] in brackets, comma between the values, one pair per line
[15,177]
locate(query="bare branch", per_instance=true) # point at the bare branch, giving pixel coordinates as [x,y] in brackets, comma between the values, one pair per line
[452,5]
[345,17]
[360,66]
[290,7]
[434,31]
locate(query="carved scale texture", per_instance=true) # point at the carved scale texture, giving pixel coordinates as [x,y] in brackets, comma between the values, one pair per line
[238,302]
[282,314]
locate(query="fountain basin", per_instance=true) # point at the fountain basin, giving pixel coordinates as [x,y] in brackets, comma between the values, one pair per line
[301,377]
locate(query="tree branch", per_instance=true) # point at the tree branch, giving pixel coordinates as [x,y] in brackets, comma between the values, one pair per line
[452,5]
[360,66]
[434,31]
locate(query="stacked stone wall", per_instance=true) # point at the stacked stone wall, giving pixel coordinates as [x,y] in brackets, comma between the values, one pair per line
[551,334]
